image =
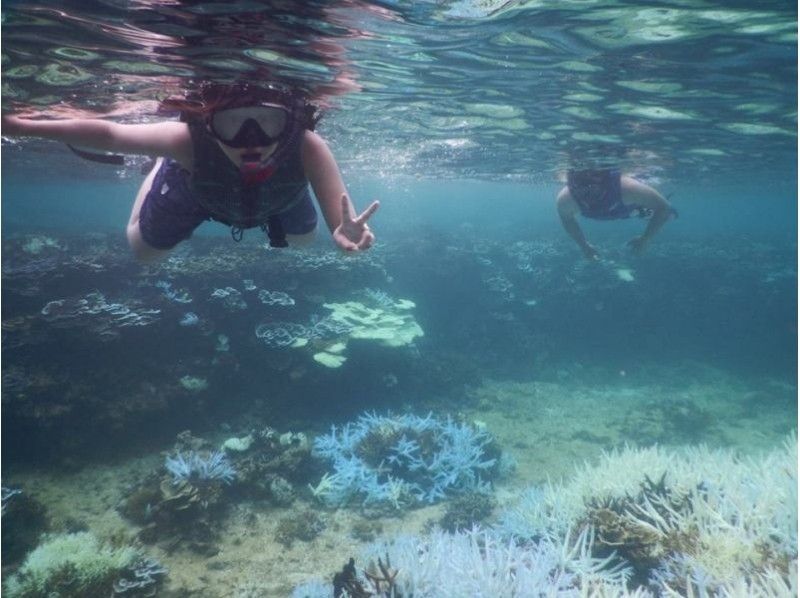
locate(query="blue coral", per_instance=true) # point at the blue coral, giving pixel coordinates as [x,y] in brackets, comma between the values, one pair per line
[401,460]
[196,467]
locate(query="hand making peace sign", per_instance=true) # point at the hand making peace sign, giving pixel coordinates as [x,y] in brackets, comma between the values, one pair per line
[353,234]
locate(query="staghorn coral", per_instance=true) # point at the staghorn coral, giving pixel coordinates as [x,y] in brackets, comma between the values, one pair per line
[685,524]
[198,468]
[477,562]
[403,460]
[713,521]
[182,502]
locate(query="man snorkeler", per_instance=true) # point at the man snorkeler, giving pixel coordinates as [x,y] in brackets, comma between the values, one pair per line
[605,194]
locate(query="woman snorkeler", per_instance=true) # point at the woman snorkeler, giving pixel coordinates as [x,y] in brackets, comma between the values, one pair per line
[242,154]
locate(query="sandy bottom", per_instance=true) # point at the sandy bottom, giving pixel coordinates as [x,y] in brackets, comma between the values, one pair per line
[547,428]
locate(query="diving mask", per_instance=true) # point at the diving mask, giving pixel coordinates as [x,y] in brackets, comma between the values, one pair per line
[250,126]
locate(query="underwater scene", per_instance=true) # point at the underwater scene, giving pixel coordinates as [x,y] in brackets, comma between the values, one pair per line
[511,392]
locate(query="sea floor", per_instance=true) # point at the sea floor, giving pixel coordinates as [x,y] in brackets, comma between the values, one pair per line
[547,427]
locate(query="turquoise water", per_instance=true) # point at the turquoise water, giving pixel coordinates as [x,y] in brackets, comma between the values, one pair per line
[461,118]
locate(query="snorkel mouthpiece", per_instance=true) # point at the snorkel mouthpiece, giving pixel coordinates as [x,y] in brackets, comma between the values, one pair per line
[254,170]
[255,174]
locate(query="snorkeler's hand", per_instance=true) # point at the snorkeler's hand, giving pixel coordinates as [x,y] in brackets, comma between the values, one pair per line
[353,234]
[638,244]
[589,252]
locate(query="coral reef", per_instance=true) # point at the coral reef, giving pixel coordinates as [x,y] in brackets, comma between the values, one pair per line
[181,502]
[277,335]
[79,565]
[193,383]
[478,562]
[303,526]
[273,465]
[184,502]
[366,530]
[395,461]
[39,243]
[467,511]
[24,519]
[387,322]
[95,313]
[710,521]
[199,469]
[380,580]
[133,384]
[711,524]
[142,578]
[90,291]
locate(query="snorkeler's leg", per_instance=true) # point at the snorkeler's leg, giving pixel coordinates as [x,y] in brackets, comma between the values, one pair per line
[299,241]
[141,250]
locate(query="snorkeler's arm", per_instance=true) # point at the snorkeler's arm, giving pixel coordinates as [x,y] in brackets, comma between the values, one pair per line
[567,210]
[350,230]
[326,180]
[644,195]
[167,139]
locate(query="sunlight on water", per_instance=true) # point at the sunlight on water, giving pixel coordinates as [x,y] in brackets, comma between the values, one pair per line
[566,81]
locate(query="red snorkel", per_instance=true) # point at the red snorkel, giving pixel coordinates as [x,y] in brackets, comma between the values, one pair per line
[256,175]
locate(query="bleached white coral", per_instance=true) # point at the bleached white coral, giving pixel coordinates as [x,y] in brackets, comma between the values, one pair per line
[760,493]
[727,525]
[480,562]
[81,554]
[723,518]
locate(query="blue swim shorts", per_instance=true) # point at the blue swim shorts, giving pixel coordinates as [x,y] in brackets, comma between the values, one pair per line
[170,213]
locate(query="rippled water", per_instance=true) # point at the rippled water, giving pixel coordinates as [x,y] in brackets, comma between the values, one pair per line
[455,89]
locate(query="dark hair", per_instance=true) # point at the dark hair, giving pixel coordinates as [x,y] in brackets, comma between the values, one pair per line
[579,178]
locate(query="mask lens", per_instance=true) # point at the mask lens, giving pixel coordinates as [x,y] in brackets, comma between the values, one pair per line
[272,120]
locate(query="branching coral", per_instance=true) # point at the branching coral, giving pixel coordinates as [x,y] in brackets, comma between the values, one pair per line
[711,521]
[477,562]
[195,467]
[693,524]
[400,460]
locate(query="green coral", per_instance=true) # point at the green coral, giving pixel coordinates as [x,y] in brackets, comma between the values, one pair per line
[70,566]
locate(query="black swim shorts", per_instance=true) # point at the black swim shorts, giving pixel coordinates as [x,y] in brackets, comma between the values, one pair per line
[170,213]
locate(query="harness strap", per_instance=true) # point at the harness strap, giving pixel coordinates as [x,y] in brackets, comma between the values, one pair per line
[275,232]
[273,228]
[116,159]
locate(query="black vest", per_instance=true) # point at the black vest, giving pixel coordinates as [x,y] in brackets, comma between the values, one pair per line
[217,184]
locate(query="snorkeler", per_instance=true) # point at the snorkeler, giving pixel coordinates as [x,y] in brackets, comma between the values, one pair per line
[604,194]
[243,154]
